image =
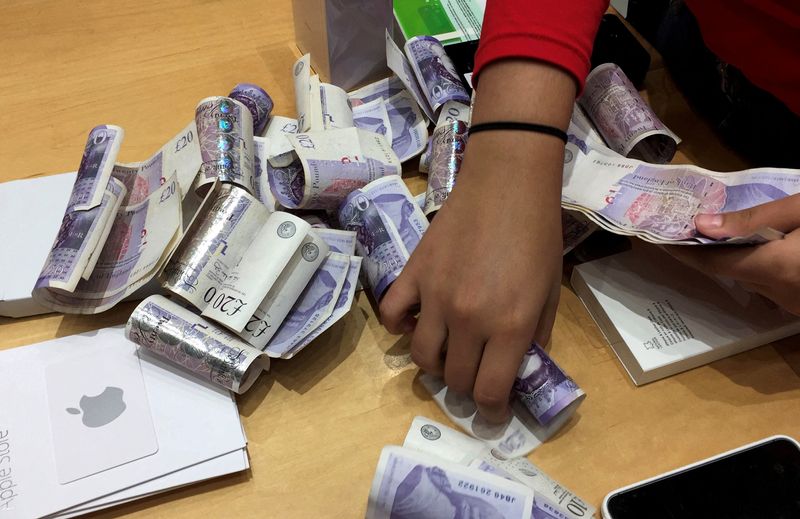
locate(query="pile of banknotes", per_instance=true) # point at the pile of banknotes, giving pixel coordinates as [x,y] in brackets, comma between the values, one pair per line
[439,472]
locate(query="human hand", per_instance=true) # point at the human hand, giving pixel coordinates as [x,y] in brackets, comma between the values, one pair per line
[487,271]
[771,269]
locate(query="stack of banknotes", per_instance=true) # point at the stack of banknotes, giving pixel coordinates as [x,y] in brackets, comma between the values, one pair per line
[439,472]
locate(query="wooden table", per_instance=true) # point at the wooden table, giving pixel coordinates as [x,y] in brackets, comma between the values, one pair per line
[316,424]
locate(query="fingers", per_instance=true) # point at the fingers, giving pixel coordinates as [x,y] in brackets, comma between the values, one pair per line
[548,316]
[782,215]
[498,369]
[757,265]
[396,307]
[428,341]
[464,352]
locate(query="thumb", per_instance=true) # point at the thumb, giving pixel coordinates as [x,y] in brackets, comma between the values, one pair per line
[782,215]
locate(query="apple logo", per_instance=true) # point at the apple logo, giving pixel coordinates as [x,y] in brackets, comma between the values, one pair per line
[102,409]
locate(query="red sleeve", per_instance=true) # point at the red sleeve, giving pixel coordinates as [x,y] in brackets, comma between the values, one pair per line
[559,32]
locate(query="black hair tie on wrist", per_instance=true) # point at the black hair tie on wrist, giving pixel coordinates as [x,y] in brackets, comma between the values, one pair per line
[513,125]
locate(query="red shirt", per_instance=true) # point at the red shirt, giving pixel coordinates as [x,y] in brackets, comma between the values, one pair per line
[760,37]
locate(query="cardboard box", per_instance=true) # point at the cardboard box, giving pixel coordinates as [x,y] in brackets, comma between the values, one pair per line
[345,38]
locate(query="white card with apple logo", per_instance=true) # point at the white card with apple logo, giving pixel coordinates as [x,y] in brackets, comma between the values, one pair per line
[99,414]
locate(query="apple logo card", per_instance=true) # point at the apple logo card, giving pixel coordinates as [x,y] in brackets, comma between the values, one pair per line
[99,414]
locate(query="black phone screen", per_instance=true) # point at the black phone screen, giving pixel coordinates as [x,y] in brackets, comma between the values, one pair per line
[762,482]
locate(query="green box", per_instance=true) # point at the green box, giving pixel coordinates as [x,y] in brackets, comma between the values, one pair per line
[450,21]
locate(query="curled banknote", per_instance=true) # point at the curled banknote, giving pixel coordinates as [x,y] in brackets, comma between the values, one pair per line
[257,101]
[545,400]
[447,152]
[412,485]
[551,500]
[658,203]
[225,132]
[214,243]
[178,335]
[279,151]
[334,163]
[105,253]
[626,122]
[434,71]
[388,224]
[543,388]
[408,128]
[283,294]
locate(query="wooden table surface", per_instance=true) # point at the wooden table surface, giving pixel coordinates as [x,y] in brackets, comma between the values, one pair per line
[316,424]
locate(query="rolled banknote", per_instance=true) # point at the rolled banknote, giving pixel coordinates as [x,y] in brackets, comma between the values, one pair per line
[543,388]
[409,484]
[286,290]
[435,72]
[340,309]
[388,224]
[518,436]
[225,130]
[447,152]
[313,307]
[658,203]
[268,254]
[257,101]
[626,122]
[178,335]
[334,163]
[213,243]
[550,498]
[280,152]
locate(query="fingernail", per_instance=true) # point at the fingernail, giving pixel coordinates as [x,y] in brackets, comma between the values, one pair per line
[709,221]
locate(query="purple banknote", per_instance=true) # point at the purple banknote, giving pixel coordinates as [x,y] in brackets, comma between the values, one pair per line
[543,387]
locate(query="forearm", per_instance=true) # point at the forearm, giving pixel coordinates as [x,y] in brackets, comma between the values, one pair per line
[525,91]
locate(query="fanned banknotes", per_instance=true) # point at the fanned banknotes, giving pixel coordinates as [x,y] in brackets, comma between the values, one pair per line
[120,220]
[389,225]
[551,500]
[412,485]
[178,335]
[658,203]
[546,398]
[626,122]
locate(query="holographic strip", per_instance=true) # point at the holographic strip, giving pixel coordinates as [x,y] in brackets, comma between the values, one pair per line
[183,338]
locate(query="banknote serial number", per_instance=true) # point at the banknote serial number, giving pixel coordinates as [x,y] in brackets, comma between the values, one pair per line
[226,304]
[485,491]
